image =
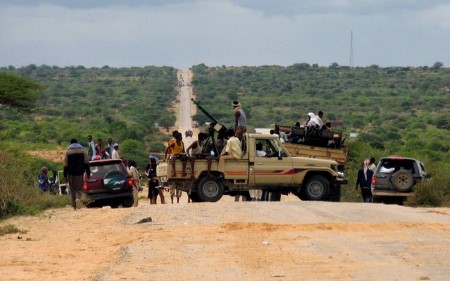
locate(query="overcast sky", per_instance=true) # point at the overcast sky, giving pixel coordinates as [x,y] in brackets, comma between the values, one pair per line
[183,33]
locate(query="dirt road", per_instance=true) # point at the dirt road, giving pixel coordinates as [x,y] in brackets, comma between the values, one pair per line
[288,240]
[185,108]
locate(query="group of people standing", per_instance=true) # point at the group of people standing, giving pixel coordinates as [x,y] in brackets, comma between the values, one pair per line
[98,151]
[76,164]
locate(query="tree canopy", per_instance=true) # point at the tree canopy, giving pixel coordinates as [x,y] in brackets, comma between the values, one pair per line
[19,93]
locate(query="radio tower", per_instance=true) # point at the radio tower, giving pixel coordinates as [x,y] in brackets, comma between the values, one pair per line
[351,48]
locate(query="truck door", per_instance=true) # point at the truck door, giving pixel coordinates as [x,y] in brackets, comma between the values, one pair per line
[266,167]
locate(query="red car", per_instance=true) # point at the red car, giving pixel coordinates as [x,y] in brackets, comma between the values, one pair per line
[109,184]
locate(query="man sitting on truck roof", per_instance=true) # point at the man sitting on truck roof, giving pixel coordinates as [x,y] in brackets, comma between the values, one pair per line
[232,149]
[312,121]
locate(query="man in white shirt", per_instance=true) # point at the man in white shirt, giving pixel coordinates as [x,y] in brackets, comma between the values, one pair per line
[312,121]
[259,150]
[115,153]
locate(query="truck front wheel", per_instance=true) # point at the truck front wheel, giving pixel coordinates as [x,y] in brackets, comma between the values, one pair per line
[317,188]
[209,189]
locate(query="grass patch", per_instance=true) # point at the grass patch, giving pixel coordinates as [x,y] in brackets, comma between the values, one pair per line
[8,229]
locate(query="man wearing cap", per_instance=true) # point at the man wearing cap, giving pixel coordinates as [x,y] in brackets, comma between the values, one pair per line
[240,124]
[115,153]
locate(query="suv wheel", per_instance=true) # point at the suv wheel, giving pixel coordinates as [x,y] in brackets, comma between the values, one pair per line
[402,180]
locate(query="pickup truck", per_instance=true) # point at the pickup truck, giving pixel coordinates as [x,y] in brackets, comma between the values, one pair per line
[308,178]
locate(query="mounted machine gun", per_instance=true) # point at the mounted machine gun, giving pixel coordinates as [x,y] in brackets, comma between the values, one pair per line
[214,127]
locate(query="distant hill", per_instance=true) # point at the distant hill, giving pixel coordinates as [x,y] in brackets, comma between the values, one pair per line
[394,109]
[122,103]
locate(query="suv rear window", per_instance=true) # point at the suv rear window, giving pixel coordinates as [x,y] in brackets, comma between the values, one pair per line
[406,164]
[101,170]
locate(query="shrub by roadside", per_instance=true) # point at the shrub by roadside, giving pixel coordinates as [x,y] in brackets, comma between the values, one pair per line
[18,191]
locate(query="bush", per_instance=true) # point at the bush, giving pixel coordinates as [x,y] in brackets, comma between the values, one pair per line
[427,195]
[436,191]
[19,193]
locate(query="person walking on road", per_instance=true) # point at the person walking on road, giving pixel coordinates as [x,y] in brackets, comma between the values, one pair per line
[135,176]
[76,163]
[151,174]
[153,189]
[364,181]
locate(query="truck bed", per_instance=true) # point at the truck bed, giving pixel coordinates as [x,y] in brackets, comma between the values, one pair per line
[338,155]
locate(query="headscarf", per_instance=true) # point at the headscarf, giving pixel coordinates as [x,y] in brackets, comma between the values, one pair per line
[366,167]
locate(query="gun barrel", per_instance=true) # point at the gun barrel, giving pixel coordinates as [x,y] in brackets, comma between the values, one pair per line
[203,110]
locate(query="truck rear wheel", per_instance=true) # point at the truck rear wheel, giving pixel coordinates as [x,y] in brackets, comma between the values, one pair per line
[317,188]
[209,189]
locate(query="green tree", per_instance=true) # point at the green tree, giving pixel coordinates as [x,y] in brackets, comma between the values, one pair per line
[132,149]
[19,93]
[437,65]
[167,121]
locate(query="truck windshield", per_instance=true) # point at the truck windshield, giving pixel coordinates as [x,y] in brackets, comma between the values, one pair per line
[278,149]
[269,147]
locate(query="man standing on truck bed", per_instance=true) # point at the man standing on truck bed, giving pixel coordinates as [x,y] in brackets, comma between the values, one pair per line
[240,124]
[76,162]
